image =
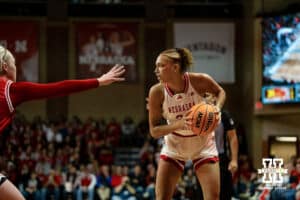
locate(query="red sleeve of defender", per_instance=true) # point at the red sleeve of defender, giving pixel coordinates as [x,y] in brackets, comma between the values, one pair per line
[26,91]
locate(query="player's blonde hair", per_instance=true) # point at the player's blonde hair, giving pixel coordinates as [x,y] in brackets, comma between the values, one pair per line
[182,56]
[3,57]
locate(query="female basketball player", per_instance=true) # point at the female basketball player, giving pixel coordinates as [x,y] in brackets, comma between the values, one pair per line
[13,93]
[171,99]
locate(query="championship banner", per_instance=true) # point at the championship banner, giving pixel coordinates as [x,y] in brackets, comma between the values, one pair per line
[99,46]
[22,39]
[212,46]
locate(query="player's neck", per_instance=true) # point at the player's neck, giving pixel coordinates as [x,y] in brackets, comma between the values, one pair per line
[177,85]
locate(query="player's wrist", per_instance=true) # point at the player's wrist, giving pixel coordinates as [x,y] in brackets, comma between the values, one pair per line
[99,82]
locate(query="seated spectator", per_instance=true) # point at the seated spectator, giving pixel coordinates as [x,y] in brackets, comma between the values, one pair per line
[137,180]
[51,186]
[103,184]
[128,130]
[106,154]
[150,182]
[86,182]
[190,182]
[124,191]
[295,174]
[69,181]
[32,188]
[243,178]
[113,131]
[24,176]
[142,132]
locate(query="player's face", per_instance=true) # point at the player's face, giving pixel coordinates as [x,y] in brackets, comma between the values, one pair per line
[164,68]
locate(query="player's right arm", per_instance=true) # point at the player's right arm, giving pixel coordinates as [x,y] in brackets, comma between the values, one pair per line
[157,130]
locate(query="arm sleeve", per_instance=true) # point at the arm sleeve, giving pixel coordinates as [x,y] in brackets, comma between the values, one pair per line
[227,121]
[26,91]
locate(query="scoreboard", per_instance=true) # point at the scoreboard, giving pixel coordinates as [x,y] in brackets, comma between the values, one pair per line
[281,94]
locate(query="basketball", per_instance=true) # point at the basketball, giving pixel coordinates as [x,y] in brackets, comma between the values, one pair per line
[205,118]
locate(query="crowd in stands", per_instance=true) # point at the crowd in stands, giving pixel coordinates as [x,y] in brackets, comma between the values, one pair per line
[74,160]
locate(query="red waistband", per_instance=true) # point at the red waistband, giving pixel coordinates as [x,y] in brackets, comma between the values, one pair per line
[177,134]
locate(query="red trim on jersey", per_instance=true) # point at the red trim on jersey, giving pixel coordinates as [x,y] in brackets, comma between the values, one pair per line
[7,96]
[169,91]
[187,80]
[186,85]
[178,163]
[179,135]
[202,161]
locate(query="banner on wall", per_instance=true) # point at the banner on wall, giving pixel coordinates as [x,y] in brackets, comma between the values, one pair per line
[22,39]
[99,46]
[212,46]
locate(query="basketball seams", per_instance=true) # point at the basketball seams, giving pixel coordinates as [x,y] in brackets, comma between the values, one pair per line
[203,123]
[194,119]
[208,112]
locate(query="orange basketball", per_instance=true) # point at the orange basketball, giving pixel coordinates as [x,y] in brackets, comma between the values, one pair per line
[205,118]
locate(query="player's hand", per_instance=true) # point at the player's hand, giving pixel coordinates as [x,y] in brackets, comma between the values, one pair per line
[233,166]
[113,75]
[219,114]
[183,124]
[188,120]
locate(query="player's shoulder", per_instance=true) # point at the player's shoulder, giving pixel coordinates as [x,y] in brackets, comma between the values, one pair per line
[195,78]
[194,75]
[157,89]
[156,92]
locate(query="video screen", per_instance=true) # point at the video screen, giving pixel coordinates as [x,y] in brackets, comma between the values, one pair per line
[281,59]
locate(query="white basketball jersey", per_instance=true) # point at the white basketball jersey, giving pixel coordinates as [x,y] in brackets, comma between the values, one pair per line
[184,144]
[175,106]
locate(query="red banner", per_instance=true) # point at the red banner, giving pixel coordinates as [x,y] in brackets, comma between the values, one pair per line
[21,38]
[99,46]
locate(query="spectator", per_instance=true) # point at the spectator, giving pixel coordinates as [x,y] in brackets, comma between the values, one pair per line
[124,191]
[137,180]
[128,130]
[69,181]
[32,188]
[86,182]
[103,184]
[51,186]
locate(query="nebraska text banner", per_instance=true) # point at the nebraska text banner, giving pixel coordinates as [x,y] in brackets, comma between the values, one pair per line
[100,46]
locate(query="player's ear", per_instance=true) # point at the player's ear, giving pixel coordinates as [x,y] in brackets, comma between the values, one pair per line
[4,66]
[176,67]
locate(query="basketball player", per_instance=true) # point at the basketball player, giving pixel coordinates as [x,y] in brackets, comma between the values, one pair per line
[13,94]
[176,92]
